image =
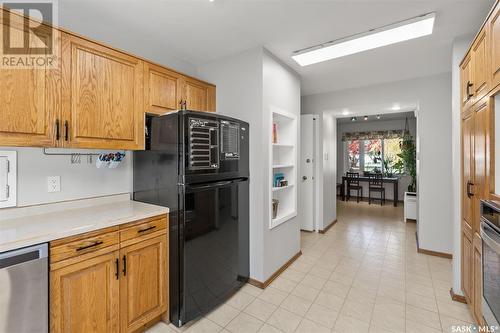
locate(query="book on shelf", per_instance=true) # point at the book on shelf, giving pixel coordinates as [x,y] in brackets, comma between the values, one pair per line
[275,133]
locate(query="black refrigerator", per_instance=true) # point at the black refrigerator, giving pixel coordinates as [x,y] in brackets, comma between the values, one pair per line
[196,163]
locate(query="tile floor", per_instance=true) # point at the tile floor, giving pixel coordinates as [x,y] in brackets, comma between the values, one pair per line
[363,275]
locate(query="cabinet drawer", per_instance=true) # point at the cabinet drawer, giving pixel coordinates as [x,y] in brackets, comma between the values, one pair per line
[83,245]
[142,231]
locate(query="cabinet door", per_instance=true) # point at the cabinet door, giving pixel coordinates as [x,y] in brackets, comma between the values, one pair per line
[84,296]
[494,29]
[466,265]
[480,54]
[30,97]
[199,96]
[466,85]
[102,96]
[162,89]
[467,167]
[481,158]
[143,286]
[478,280]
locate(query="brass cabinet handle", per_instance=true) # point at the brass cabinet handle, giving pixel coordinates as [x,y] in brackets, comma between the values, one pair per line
[96,243]
[117,273]
[146,229]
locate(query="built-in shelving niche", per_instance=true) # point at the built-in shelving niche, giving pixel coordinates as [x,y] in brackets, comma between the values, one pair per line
[284,160]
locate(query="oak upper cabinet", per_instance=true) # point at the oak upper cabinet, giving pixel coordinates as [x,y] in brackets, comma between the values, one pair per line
[494,47]
[198,95]
[143,287]
[480,62]
[162,89]
[102,96]
[466,85]
[29,97]
[84,296]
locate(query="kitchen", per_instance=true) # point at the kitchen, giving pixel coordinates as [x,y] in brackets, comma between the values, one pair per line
[151,171]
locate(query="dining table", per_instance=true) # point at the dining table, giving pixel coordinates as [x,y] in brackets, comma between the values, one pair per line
[366,179]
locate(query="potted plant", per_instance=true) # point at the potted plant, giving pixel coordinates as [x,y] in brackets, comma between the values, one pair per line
[408,161]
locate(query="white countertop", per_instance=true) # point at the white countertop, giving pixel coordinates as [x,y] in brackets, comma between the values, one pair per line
[25,226]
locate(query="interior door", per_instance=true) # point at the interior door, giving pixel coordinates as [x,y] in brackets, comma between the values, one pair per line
[306,202]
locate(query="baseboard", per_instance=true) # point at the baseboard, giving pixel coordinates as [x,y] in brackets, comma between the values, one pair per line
[432,253]
[328,227]
[457,298]
[263,285]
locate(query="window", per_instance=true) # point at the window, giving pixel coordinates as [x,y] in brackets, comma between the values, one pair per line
[373,156]
[376,155]
[392,161]
[353,155]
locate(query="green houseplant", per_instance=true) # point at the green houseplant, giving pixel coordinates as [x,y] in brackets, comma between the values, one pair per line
[408,160]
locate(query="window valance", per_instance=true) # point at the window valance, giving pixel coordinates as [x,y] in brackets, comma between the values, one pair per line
[372,135]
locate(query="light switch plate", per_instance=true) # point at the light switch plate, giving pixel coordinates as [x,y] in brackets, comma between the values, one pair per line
[54,184]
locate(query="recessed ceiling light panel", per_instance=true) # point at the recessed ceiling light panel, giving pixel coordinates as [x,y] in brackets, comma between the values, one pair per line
[405,30]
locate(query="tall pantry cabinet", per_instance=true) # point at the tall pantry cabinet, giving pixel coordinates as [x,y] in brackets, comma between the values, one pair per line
[479,83]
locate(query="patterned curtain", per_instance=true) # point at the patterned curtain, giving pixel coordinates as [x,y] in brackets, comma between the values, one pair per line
[372,135]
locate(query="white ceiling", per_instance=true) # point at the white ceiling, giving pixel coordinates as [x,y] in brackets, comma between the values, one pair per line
[195,32]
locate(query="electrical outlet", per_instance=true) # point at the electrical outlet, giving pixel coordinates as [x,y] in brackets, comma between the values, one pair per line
[54,184]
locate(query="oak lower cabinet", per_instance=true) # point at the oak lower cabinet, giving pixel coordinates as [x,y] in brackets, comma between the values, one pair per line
[84,296]
[477,302]
[110,281]
[467,261]
[143,289]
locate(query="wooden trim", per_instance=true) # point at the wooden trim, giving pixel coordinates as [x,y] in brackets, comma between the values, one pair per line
[457,298]
[263,285]
[432,253]
[328,227]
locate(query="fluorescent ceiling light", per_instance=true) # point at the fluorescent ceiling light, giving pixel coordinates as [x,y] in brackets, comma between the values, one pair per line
[405,30]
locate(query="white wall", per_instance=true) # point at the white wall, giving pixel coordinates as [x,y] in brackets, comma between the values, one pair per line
[433,95]
[78,181]
[239,94]
[281,90]
[329,164]
[460,46]
[375,125]
[248,85]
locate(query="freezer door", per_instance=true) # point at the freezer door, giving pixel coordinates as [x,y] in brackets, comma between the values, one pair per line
[215,252]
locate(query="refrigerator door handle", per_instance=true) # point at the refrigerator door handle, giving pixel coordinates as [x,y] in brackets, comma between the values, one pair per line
[213,185]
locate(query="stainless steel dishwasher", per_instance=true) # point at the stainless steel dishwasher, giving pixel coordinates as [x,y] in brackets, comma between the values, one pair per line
[24,290]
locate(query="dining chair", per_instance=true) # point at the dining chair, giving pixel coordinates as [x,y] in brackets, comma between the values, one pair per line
[376,184]
[353,184]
